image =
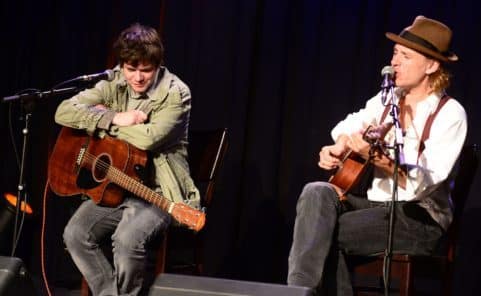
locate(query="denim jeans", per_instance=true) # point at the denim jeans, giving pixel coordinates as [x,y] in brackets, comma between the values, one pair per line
[134,227]
[326,228]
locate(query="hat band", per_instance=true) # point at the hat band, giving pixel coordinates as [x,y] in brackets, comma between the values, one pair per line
[416,39]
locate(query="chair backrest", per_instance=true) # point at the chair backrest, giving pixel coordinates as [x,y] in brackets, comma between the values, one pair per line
[206,154]
[406,267]
[466,170]
[467,166]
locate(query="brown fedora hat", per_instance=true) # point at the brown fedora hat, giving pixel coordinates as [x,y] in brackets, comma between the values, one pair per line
[428,37]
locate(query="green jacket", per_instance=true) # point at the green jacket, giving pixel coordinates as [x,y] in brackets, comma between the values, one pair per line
[164,134]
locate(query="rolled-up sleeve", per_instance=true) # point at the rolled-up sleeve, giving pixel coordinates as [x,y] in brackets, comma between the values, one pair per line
[80,111]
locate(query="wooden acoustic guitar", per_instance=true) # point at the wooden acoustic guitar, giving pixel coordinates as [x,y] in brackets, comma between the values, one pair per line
[353,166]
[103,169]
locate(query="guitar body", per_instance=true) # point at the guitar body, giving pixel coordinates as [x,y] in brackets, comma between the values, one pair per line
[354,167]
[68,177]
[349,174]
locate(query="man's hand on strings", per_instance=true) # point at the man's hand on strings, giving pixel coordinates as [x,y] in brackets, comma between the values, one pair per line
[330,156]
[358,145]
[362,141]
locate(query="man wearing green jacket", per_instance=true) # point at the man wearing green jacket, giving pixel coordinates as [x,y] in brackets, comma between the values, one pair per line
[148,107]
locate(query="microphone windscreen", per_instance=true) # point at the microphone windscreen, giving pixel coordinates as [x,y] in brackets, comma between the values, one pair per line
[387,70]
[110,74]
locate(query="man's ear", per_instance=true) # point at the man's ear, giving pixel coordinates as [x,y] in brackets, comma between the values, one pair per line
[433,66]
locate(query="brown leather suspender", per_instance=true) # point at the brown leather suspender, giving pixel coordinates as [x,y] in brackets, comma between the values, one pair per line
[429,122]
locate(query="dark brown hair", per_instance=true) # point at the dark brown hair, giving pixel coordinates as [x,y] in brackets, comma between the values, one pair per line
[139,44]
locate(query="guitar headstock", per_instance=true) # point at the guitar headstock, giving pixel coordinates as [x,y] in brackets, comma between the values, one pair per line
[188,216]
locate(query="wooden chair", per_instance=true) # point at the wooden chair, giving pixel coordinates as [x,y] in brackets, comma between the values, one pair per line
[182,250]
[406,269]
[206,154]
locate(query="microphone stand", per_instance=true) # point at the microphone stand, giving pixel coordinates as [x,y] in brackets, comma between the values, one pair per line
[398,161]
[40,95]
[27,107]
[21,193]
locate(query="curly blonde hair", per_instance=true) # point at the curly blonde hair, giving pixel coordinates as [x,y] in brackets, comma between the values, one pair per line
[440,80]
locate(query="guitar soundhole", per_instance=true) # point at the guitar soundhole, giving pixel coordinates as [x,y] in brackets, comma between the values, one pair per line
[100,167]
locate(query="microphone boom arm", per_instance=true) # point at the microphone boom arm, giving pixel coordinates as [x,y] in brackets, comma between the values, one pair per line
[41,95]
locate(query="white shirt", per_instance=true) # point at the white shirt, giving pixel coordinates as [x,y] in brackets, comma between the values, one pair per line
[442,148]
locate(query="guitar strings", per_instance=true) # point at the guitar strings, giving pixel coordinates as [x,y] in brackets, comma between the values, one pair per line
[191,220]
[133,185]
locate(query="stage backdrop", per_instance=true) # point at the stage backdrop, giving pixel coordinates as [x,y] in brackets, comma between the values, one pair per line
[278,74]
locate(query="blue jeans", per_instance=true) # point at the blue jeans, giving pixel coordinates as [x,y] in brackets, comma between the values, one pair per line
[133,227]
[326,228]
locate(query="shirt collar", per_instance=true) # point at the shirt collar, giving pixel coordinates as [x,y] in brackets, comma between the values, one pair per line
[429,103]
[153,86]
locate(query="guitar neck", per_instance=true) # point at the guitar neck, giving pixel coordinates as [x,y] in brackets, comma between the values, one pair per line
[128,183]
[184,214]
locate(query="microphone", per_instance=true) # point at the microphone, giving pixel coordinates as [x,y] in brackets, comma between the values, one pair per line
[387,74]
[105,75]
[387,83]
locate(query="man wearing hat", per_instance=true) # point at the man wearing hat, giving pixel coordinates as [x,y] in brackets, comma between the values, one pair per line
[331,222]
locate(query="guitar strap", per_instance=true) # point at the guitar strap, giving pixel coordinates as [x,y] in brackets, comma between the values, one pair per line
[427,125]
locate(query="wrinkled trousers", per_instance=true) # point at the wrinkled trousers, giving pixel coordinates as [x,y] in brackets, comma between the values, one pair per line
[134,228]
[326,229]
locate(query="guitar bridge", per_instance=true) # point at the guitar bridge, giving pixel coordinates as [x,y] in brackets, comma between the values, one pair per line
[80,156]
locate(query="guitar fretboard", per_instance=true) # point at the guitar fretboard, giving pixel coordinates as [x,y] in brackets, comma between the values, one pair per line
[128,183]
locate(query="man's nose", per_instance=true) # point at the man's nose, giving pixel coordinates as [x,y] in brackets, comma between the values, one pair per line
[394,61]
[138,76]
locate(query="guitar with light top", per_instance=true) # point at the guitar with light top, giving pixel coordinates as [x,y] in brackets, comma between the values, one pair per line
[103,169]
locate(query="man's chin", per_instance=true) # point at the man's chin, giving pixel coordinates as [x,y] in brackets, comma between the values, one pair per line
[139,89]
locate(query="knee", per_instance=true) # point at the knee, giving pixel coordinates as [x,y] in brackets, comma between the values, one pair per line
[74,235]
[127,242]
[315,196]
[137,238]
[316,192]
[122,243]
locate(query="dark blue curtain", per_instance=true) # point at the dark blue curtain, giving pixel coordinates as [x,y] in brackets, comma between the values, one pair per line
[278,74]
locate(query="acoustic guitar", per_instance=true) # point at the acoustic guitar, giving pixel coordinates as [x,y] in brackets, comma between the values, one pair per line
[103,169]
[353,166]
